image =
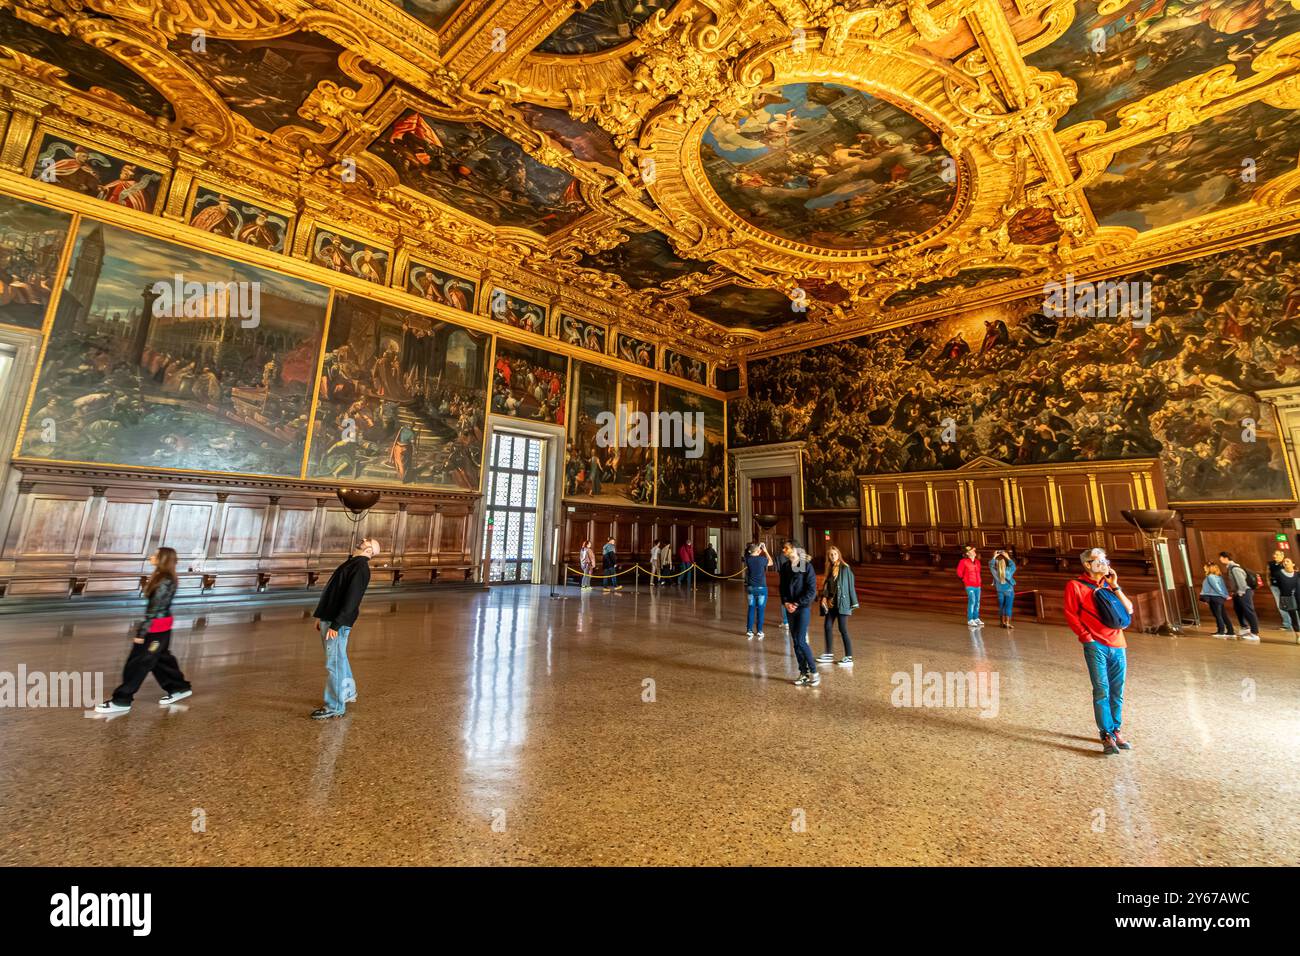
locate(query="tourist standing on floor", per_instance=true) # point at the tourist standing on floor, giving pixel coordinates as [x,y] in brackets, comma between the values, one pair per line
[586,561]
[686,555]
[968,570]
[1288,585]
[757,561]
[1098,610]
[1274,569]
[336,613]
[665,562]
[654,564]
[609,567]
[1242,588]
[781,562]
[151,647]
[839,600]
[798,592]
[709,560]
[1003,568]
[1214,592]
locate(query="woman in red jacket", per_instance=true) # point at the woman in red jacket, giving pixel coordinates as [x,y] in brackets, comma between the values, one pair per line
[968,569]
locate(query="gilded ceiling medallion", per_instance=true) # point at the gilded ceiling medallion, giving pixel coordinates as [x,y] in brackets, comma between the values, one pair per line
[830,166]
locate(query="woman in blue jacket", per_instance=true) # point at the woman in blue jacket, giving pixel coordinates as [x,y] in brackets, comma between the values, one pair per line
[1214,592]
[839,600]
[1003,567]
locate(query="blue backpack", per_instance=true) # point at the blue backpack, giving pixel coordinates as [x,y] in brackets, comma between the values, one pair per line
[1109,607]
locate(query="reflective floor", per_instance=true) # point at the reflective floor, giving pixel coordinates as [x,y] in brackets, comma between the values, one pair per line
[644,729]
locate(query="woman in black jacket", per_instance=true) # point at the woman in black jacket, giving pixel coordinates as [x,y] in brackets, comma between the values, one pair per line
[151,649]
[1287,582]
[798,591]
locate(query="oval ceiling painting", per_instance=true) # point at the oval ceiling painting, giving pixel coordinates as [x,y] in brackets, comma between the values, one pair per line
[829,166]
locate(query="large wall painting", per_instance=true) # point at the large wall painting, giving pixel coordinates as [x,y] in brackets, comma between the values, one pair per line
[684,366]
[32,240]
[529,383]
[161,356]
[1024,386]
[582,333]
[829,166]
[401,398]
[692,455]
[351,257]
[632,349]
[444,288]
[598,466]
[516,312]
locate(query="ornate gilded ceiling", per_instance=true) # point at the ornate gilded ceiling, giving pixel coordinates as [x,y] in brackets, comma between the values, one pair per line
[730,177]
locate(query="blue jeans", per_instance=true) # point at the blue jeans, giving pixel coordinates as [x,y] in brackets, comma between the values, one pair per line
[688,575]
[757,604]
[1006,601]
[799,637]
[339,685]
[972,603]
[586,578]
[1106,669]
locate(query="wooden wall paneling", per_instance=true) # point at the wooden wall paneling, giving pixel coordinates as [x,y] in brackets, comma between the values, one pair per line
[54,525]
[336,536]
[123,528]
[241,530]
[419,525]
[293,531]
[186,526]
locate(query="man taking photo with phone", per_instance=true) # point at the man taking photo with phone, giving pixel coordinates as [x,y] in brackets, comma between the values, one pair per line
[1104,648]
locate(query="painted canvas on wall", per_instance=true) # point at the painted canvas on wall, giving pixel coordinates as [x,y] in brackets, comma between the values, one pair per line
[32,239]
[599,465]
[224,215]
[1024,386]
[444,288]
[632,349]
[161,356]
[517,312]
[684,366]
[584,334]
[691,460]
[401,398]
[92,172]
[350,256]
[529,383]
[645,260]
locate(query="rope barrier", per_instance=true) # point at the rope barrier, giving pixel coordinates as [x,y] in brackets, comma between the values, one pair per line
[653,574]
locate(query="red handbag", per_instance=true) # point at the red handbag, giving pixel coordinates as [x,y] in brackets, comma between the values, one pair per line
[160,624]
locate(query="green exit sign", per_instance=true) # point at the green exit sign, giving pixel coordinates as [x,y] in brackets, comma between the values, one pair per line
[1279,537]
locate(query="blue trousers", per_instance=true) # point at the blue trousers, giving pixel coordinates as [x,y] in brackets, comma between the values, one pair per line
[757,598]
[339,685]
[1006,601]
[972,603]
[799,637]
[1107,667]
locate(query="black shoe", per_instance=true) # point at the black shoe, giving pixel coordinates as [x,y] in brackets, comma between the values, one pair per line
[320,713]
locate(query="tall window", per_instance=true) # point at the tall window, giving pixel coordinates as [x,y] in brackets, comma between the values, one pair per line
[514,477]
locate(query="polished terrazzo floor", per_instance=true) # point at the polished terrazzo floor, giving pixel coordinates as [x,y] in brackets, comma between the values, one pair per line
[512,728]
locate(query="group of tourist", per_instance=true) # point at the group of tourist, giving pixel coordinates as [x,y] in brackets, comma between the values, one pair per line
[662,570]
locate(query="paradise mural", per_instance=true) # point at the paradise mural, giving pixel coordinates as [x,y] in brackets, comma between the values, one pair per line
[150,363]
[1023,386]
[32,239]
[401,398]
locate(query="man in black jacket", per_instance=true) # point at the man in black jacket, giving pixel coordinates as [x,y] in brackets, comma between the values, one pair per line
[798,592]
[335,614]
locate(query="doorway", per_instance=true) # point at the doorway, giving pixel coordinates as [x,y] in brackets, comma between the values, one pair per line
[514,505]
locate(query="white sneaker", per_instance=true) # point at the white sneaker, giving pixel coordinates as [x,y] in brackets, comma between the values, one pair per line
[174,697]
[785,627]
[759,635]
[1222,637]
[108,707]
[979,622]
[826,659]
[972,623]
[846,662]
[749,635]
[1250,637]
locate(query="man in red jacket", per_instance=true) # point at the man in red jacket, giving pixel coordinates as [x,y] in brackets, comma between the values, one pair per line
[968,569]
[1104,648]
